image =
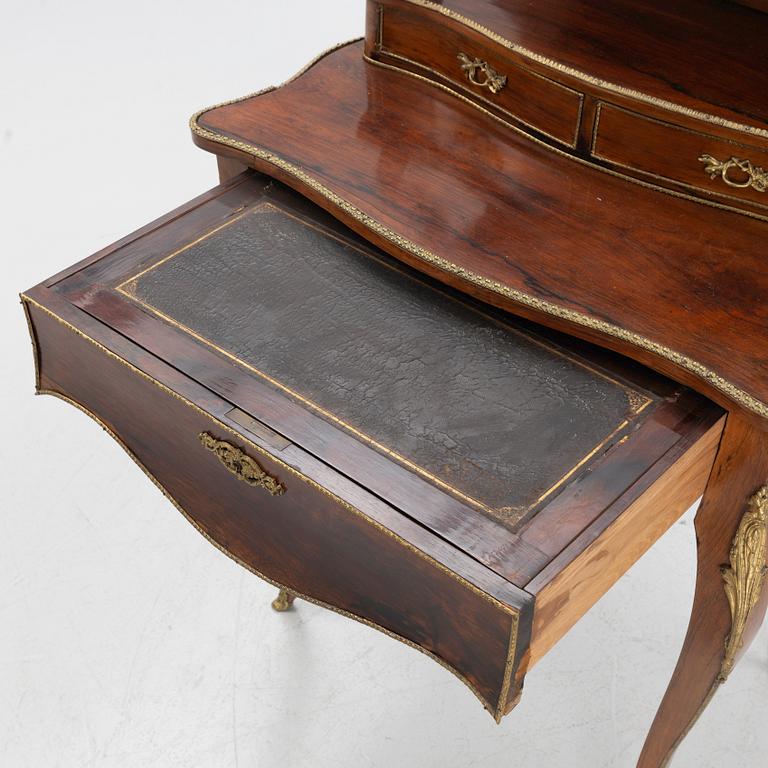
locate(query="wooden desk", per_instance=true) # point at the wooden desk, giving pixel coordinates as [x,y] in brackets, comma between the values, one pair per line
[366,438]
[330,384]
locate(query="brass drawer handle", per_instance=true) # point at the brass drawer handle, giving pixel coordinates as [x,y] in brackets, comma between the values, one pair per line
[241,465]
[752,175]
[488,77]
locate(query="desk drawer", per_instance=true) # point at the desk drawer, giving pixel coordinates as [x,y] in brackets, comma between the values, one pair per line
[279,512]
[489,74]
[707,164]
[348,429]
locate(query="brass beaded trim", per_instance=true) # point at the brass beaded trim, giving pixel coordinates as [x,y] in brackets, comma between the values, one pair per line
[583,76]
[543,144]
[714,379]
[33,339]
[637,401]
[497,711]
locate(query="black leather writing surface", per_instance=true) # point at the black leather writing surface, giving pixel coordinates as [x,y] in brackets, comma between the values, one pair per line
[474,404]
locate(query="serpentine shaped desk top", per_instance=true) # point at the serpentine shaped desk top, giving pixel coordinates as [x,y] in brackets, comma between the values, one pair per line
[674,283]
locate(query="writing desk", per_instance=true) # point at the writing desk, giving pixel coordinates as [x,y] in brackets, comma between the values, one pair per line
[342,385]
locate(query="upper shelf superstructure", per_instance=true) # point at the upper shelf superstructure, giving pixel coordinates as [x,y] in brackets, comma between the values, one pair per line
[627,85]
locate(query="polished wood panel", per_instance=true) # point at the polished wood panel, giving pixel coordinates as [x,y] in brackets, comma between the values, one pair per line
[407,37]
[229,168]
[562,106]
[705,55]
[666,152]
[324,538]
[514,223]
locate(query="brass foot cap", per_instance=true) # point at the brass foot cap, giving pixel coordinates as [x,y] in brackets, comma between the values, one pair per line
[283,601]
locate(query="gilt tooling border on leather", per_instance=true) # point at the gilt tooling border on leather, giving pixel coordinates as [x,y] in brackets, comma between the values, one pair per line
[359,325]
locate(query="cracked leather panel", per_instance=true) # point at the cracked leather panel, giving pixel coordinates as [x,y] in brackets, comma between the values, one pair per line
[476,404]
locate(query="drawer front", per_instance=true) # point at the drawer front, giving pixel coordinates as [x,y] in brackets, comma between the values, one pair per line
[667,152]
[487,73]
[262,507]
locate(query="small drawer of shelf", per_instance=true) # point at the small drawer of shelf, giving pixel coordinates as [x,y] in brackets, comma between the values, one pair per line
[725,170]
[490,75]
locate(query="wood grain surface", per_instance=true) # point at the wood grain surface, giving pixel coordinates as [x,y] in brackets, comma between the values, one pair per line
[490,55]
[325,537]
[673,283]
[643,438]
[705,55]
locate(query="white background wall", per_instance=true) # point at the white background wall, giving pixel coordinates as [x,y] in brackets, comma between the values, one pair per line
[126,639]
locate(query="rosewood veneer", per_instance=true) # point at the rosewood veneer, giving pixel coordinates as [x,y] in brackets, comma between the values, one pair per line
[473,317]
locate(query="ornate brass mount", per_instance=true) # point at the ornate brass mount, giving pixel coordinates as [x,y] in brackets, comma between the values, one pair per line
[482,74]
[241,465]
[751,175]
[745,576]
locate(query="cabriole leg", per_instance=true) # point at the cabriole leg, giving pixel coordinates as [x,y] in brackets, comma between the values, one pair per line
[730,602]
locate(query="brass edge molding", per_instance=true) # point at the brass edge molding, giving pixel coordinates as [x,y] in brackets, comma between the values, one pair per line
[512,613]
[367,622]
[268,89]
[572,144]
[714,379]
[244,467]
[33,339]
[745,576]
[584,77]
[594,152]
[380,28]
[545,145]
[508,670]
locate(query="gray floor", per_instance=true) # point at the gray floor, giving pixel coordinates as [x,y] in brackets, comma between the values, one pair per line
[125,639]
